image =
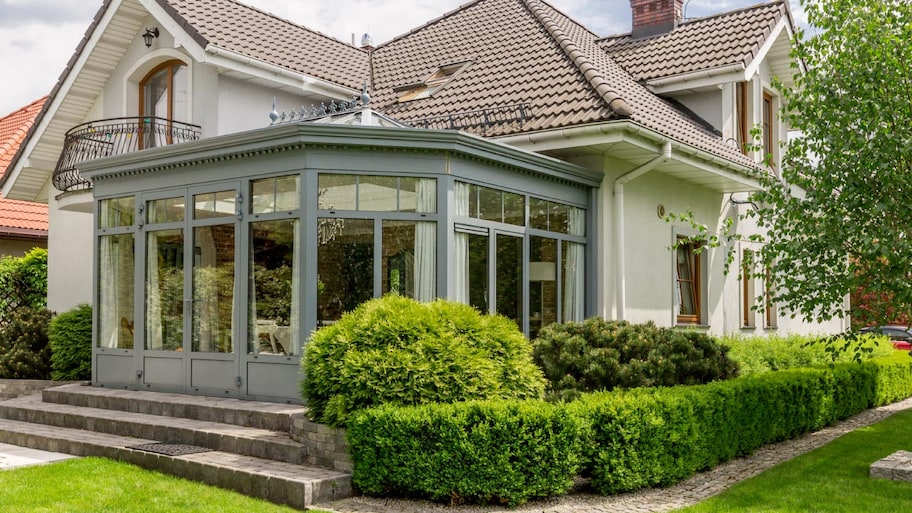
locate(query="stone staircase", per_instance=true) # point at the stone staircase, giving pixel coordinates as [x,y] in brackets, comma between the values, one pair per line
[240,445]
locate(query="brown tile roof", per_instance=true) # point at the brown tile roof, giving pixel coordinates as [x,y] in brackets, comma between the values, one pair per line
[13,129]
[20,217]
[249,31]
[733,37]
[526,51]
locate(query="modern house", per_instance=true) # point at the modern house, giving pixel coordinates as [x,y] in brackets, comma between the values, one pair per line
[502,155]
[23,224]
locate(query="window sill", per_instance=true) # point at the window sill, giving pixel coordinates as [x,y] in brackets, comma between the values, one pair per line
[692,325]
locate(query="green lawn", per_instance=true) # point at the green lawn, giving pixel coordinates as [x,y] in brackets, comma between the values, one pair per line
[831,479]
[94,485]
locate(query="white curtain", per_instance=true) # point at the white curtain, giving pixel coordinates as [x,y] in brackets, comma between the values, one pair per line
[153,294]
[206,277]
[461,247]
[574,269]
[107,291]
[426,243]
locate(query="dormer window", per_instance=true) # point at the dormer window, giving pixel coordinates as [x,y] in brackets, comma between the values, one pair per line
[431,84]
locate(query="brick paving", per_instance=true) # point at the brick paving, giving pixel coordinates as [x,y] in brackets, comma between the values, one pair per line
[686,493]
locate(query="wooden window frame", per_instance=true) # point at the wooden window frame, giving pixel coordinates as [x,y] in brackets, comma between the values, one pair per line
[169,66]
[695,283]
[767,125]
[748,317]
[772,320]
[743,125]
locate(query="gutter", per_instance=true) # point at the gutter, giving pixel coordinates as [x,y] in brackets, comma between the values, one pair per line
[619,182]
[695,75]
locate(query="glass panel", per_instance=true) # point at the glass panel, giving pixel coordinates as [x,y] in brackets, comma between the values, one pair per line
[337,192]
[514,209]
[542,284]
[165,290]
[213,288]
[116,212]
[378,193]
[262,196]
[115,291]
[576,221]
[538,214]
[573,281]
[417,195]
[274,285]
[477,272]
[409,259]
[156,98]
[557,219]
[491,204]
[509,277]
[214,204]
[474,191]
[685,263]
[179,94]
[168,210]
[287,197]
[345,267]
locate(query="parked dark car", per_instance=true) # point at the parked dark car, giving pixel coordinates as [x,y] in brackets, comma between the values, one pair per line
[901,336]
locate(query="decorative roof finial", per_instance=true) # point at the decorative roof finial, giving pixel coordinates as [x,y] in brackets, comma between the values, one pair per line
[365,98]
[274,116]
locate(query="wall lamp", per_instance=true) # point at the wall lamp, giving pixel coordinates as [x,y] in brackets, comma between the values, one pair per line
[151,33]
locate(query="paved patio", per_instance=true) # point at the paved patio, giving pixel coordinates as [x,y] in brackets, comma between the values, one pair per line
[12,456]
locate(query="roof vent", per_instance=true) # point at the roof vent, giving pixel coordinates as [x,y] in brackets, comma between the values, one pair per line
[655,17]
[367,42]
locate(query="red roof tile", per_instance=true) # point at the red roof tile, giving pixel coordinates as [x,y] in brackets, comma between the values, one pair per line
[23,215]
[20,217]
[13,129]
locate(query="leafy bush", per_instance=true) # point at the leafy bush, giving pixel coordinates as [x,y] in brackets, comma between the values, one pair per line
[23,281]
[649,437]
[399,351]
[70,335]
[24,349]
[502,452]
[602,355]
[775,352]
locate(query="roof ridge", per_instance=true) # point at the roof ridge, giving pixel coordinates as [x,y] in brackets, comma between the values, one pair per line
[426,24]
[611,98]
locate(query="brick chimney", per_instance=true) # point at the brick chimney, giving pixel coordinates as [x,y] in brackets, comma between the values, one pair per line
[654,17]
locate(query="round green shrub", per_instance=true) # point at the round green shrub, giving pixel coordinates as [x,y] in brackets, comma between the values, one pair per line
[602,355]
[70,335]
[395,350]
[24,349]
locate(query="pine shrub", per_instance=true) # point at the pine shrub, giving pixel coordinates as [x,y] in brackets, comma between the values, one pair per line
[24,349]
[395,350]
[70,335]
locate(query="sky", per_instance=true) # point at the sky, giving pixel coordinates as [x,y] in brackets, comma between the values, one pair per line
[38,37]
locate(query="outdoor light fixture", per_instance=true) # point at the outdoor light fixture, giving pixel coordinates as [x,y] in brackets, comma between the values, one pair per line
[151,33]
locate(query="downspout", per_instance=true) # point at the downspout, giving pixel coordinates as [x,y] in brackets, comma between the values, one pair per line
[619,183]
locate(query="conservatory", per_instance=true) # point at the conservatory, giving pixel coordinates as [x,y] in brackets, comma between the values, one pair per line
[217,258]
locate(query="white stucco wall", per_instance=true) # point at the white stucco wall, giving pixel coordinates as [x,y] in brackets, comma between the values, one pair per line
[70,250]
[707,105]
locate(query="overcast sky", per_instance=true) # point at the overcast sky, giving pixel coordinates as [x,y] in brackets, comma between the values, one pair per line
[38,37]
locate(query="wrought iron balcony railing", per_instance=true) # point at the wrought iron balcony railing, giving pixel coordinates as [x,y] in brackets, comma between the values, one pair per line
[116,136]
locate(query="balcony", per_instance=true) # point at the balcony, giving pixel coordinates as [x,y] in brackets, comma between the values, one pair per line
[110,137]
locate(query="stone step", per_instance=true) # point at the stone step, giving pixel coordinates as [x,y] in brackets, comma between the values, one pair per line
[243,440]
[298,486]
[269,416]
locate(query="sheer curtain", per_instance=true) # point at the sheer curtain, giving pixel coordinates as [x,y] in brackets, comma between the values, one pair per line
[153,295]
[461,247]
[426,243]
[574,269]
[107,291]
[206,292]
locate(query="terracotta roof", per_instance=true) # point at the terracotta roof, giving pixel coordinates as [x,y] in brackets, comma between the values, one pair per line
[525,51]
[24,218]
[13,129]
[249,31]
[698,44]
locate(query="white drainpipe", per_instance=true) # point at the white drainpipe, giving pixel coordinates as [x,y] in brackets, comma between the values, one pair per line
[619,182]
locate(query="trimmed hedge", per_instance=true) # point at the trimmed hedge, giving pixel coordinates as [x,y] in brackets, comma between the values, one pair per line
[624,440]
[70,335]
[395,350]
[756,354]
[495,452]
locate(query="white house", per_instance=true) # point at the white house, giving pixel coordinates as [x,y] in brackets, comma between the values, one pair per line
[223,237]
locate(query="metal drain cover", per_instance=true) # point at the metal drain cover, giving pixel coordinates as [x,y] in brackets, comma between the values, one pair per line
[171,449]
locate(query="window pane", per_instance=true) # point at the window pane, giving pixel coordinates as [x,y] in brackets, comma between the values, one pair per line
[409,259]
[538,214]
[215,204]
[115,291]
[542,284]
[477,272]
[491,204]
[179,94]
[168,210]
[576,221]
[274,194]
[274,288]
[345,267]
[165,290]
[686,264]
[474,192]
[116,212]
[213,288]
[417,195]
[573,285]
[514,209]
[337,192]
[509,277]
[378,193]
[287,197]
[557,219]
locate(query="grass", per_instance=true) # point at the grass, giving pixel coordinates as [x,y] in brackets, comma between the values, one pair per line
[95,485]
[831,479]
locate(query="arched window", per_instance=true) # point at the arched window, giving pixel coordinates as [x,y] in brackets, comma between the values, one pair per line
[163,95]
